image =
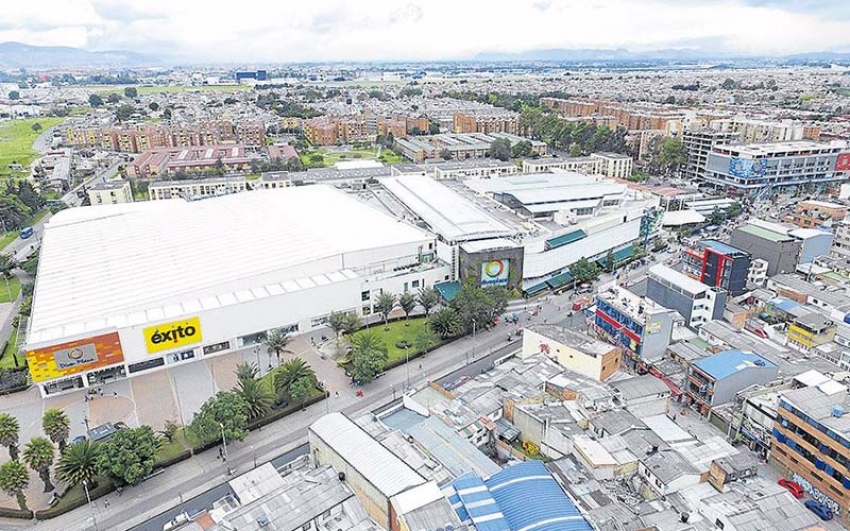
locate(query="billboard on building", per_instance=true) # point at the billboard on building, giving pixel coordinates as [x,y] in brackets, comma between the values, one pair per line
[747,167]
[73,357]
[495,273]
[842,163]
[175,334]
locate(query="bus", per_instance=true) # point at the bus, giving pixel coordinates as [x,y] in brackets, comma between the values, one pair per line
[26,232]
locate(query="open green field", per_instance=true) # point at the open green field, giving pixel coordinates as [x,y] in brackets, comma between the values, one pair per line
[398,332]
[388,156]
[16,138]
[14,287]
[8,359]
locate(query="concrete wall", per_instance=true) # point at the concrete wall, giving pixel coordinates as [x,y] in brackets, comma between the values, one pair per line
[725,388]
[470,264]
[781,256]
[596,367]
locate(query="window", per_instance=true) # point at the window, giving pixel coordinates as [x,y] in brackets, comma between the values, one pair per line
[415,284]
[718,524]
[306,527]
[364,296]
[218,347]
[145,365]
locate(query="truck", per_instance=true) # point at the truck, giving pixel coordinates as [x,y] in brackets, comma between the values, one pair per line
[26,232]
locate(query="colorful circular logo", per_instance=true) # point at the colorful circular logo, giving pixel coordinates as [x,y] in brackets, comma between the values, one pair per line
[75,353]
[494,268]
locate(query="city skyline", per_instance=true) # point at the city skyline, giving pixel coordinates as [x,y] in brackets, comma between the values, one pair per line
[381,30]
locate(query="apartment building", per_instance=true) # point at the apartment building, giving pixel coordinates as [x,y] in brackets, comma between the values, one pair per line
[110,193]
[194,189]
[614,164]
[841,241]
[810,214]
[631,116]
[718,265]
[694,301]
[457,146]
[811,443]
[153,136]
[757,131]
[810,331]
[490,121]
[761,168]
[321,131]
[160,161]
[640,326]
[574,351]
[698,144]
[716,379]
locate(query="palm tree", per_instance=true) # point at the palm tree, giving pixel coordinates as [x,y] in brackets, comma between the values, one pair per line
[425,339]
[77,463]
[290,372]
[369,356]
[352,323]
[445,322]
[428,298]
[14,480]
[337,323]
[276,342]
[56,425]
[407,303]
[38,454]
[384,305]
[247,371]
[257,395]
[7,265]
[9,434]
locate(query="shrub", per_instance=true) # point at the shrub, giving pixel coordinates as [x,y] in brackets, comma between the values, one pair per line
[15,513]
[75,497]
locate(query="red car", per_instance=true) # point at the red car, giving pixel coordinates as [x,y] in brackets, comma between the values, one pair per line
[794,488]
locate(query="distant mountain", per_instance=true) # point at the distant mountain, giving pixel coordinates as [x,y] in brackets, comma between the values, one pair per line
[18,55]
[595,55]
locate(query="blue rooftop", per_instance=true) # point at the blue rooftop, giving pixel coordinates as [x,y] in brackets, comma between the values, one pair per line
[524,497]
[729,362]
[784,304]
[721,247]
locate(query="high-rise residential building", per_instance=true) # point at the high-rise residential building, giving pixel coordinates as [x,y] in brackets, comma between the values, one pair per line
[698,144]
[754,131]
[759,168]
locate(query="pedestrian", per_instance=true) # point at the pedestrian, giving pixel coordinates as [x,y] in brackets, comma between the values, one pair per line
[101,391]
[336,393]
[114,394]
[105,503]
[86,397]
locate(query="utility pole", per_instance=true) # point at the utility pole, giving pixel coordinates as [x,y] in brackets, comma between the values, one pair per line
[91,507]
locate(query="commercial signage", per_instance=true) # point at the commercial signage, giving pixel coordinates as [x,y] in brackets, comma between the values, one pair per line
[74,357]
[747,167]
[495,273]
[842,163]
[166,336]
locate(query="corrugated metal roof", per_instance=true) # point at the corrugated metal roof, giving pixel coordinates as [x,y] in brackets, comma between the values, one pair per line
[389,474]
[729,362]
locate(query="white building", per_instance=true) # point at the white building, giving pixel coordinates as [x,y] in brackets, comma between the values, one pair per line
[110,193]
[157,283]
[192,189]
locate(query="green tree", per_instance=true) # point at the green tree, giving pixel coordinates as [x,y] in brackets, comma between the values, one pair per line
[154,106]
[385,305]
[36,127]
[433,128]
[77,463]
[302,389]
[166,114]
[445,154]
[7,265]
[14,95]
[247,371]
[336,321]
[407,303]
[575,149]
[9,429]
[584,270]
[670,155]
[500,149]
[425,339]
[257,396]
[522,149]
[57,426]
[124,112]
[169,430]
[113,98]
[428,298]
[477,306]
[369,356]
[129,455]
[38,454]
[226,409]
[445,322]
[276,343]
[95,100]
[352,323]
[290,372]
[131,92]
[609,259]
[14,480]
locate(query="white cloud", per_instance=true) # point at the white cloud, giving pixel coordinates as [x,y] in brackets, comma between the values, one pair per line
[300,30]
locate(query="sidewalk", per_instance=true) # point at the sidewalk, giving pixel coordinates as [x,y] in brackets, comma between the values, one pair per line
[204,471]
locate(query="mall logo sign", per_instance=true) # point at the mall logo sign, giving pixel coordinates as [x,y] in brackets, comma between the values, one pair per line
[74,356]
[495,273]
[175,334]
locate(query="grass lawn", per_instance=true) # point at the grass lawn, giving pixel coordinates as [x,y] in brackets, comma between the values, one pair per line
[8,359]
[398,332]
[388,156]
[16,138]
[8,238]
[170,450]
[14,289]
[252,176]
[39,216]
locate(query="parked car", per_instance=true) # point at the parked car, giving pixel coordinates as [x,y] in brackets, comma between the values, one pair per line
[824,512]
[793,487]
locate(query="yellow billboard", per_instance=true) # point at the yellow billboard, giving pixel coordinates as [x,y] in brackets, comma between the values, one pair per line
[171,335]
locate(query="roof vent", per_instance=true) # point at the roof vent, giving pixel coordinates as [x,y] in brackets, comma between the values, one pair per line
[263,521]
[341,476]
[837,411]
[760,363]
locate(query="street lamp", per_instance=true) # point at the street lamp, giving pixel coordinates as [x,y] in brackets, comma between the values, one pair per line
[224,444]
[473,341]
[91,507]
[254,453]
[407,364]
[86,422]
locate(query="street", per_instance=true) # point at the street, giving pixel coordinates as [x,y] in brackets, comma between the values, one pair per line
[71,198]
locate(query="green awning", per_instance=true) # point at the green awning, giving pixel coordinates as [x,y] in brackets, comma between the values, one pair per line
[559,280]
[447,290]
[537,288]
[564,239]
[619,256]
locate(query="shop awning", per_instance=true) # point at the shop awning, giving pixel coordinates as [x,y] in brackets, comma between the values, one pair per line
[559,280]
[537,288]
[565,239]
[447,290]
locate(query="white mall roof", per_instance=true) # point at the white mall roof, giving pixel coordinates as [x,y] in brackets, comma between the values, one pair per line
[389,474]
[99,264]
[448,213]
[676,218]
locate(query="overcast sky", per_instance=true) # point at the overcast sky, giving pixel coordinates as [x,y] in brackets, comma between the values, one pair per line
[330,30]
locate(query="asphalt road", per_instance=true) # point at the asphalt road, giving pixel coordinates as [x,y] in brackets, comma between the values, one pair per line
[205,500]
[71,198]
